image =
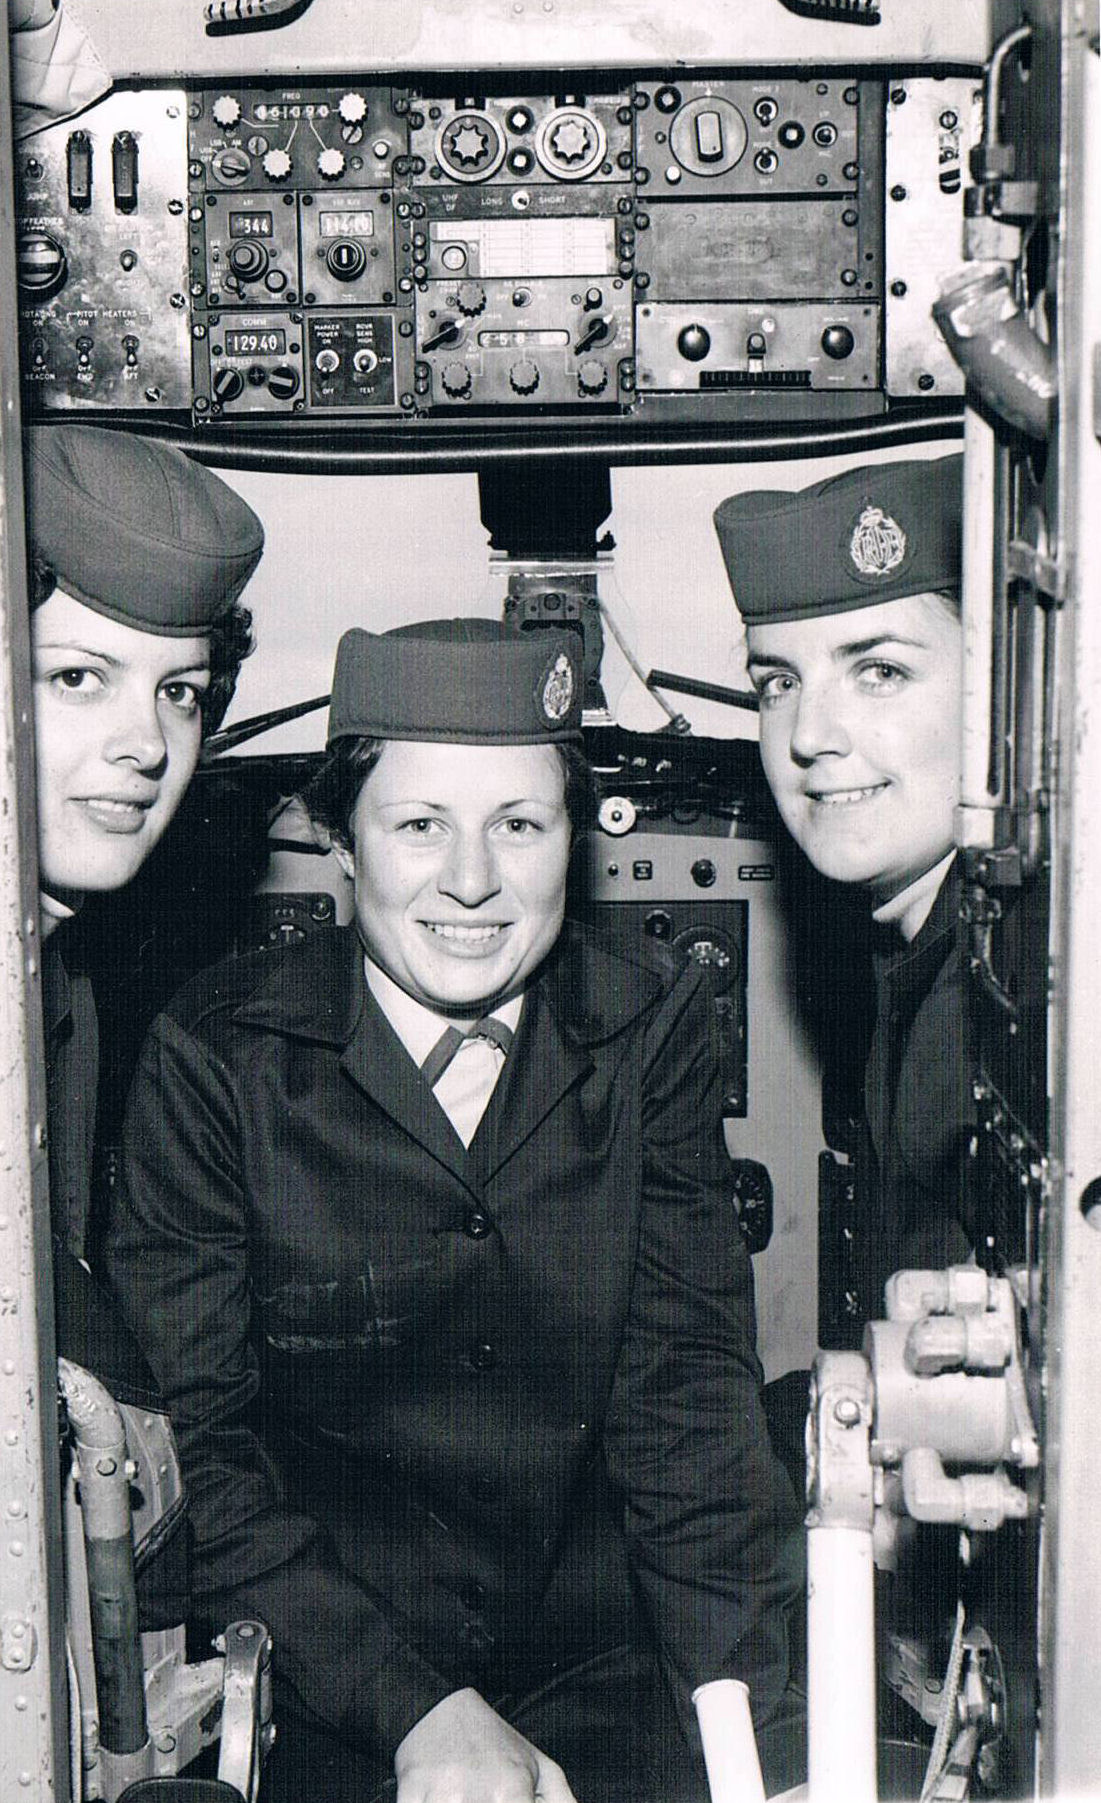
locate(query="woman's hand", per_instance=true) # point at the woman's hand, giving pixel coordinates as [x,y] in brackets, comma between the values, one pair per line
[462,1751]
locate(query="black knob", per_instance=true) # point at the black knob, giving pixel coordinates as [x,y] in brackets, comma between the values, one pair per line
[283,382]
[693,343]
[704,873]
[447,332]
[248,260]
[227,384]
[524,376]
[456,380]
[838,342]
[471,297]
[597,329]
[346,259]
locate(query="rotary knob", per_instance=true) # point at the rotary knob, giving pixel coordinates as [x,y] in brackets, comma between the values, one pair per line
[838,342]
[227,384]
[232,166]
[346,259]
[471,298]
[592,377]
[352,108]
[248,260]
[524,376]
[276,164]
[330,163]
[693,343]
[570,141]
[469,145]
[283,382]
[226,111]
[456,380]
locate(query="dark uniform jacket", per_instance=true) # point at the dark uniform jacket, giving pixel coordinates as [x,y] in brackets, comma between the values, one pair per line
[432,1402]
[914,1117]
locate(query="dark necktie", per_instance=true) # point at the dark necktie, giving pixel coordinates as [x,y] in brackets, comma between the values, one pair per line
[447,1045]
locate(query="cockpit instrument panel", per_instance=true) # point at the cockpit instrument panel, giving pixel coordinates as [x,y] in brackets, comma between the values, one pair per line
[688,250]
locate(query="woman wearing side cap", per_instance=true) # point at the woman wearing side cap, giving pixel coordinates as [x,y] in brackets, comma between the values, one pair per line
[849,591]
[426,1225]
[137,558]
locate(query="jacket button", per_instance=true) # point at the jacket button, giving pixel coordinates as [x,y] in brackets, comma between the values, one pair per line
[476,1225]
[483,1356]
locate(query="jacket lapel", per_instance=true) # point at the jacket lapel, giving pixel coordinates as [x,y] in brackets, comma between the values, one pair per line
[378,1063]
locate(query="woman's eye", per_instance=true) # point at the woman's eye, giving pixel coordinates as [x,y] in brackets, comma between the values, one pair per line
[78,680]
[516,827]
[419,828]
[183,695]
[776,686]
[882,675]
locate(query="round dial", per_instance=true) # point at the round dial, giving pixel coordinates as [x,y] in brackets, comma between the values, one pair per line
[524,376]
[352,108]
[330,163]
[42,264]
[592,377]
[248,260]
[456,380]
[471,297]
[226,111]
[276,164]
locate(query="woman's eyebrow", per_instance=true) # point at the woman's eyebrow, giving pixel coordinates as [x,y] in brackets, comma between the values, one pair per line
[68,645]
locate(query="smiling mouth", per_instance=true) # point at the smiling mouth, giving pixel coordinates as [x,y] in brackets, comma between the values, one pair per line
[844,798]
[464,935]
[116,815]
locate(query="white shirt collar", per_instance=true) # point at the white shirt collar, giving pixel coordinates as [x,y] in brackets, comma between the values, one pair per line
[911,907]
[419,1027]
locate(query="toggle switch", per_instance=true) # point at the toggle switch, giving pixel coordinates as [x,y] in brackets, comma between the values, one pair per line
[124,171]
[78,165]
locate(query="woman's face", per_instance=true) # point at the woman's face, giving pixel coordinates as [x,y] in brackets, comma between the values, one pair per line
[117,729]
[459,864]
[860,736]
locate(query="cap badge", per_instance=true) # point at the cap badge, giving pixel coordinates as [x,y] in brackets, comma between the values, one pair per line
[558,688]
[878,543]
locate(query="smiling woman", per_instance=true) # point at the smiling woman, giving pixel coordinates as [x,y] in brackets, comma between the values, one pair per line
[849,594]
[427,1224]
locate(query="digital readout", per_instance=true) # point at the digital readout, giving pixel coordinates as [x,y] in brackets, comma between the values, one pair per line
[347,225]
[292,109]
[250,225]
[255,344]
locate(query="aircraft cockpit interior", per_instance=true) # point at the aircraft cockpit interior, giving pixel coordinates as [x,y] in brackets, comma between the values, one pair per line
[495,312]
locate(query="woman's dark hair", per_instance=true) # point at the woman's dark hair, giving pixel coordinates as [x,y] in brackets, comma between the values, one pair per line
[331,796]
[230,638]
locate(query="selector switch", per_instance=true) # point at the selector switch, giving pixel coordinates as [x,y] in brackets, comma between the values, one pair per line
[448,331]
[708,135]
[42,264]
[693,343]
[346,259]
[283,382]
[227,385]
